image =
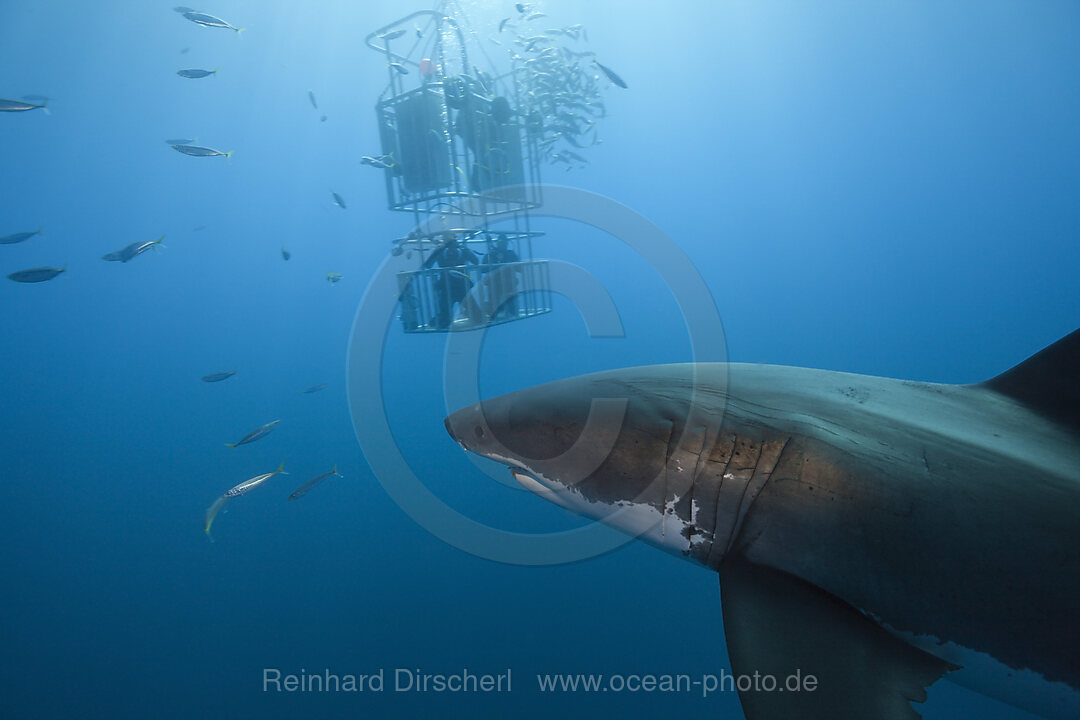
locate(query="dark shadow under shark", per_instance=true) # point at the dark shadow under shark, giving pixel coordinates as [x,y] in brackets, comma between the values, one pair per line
[876,533]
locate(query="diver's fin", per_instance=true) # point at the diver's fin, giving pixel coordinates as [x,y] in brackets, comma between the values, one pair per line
[780,626]
[1048,381]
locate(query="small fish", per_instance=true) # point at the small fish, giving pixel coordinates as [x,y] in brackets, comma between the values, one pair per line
[322,119]
[218,376]
[311,97]
[611,74]
[256,434]
[396,251]
[180,141]
[248,485]
[207,20]
[18,237]
[133,250]
[199,151]
[333,278]
[184,51]
[17,106]
[535,16]
[338,200]
[401,69]
[303,489]
[392,35]
[285,254]
[195,73]
[521,7]
[241,489]
[313,389]
[383,161]
[35,275]
[419,32]
[181,9]
[502,24]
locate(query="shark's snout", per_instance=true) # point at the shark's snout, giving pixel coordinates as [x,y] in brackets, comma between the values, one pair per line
[468,428]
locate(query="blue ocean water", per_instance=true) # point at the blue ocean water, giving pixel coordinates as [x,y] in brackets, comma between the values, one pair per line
[884,188]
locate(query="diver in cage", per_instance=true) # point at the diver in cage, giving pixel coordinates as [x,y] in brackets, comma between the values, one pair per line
[452,284]
[503,278]
[480,128]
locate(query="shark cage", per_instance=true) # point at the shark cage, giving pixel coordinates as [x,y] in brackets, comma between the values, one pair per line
[459,154]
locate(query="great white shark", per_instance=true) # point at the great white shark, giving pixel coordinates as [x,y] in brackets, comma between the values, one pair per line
[876,533]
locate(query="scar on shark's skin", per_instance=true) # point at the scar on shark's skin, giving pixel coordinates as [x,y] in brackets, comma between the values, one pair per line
[841,548]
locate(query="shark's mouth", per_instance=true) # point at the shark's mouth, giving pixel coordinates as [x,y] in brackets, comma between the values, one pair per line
[535,486]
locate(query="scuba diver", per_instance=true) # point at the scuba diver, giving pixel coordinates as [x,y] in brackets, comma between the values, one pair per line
[452,284]
[503,279]
[478,124]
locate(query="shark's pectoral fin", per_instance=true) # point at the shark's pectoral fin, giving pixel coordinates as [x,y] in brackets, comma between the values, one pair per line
[828,660]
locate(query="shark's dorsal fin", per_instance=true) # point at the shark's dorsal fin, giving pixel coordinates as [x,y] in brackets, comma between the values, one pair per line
[1048,381]
[846,665]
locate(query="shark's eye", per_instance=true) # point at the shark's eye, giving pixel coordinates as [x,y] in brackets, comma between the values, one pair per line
[479,432]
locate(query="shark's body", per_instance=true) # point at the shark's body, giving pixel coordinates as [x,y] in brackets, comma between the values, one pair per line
[852,519]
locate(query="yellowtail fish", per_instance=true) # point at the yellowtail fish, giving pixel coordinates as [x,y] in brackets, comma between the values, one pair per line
[303,489]
[255,434]
[334,278]
[241,489]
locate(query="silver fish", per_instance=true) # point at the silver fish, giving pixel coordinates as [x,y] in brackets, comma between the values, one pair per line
[392,35]
[314,389]
[256,434]
[248,485]
[338,200]
[196,73]
[311,97]
[303,489]
[35,275]
[611,74]
[383,161]
[218,376]
[200,151]
[18,237]
[19,106]
[207,20]
[241,489]
[132,251]
[401,69]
